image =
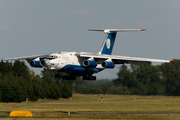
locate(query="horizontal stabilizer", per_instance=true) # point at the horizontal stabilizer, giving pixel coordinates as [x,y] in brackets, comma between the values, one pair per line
[116,30]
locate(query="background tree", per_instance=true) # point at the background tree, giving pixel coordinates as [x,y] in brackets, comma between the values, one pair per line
[141,79]
[66,90]
[172,73]
[18,82]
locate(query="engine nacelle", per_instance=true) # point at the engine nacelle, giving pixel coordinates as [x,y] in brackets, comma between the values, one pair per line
[42,62]
[89,63]
[35,63]
[107,64]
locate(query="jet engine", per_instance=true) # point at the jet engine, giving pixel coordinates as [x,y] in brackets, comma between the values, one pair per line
[89,63]
[43,62]
[107,64]
[35,63]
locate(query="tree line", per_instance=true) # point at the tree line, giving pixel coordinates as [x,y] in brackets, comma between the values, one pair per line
[161,79]
[18,82]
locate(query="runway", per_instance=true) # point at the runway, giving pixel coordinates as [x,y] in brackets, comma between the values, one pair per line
[71,113]
[128,113]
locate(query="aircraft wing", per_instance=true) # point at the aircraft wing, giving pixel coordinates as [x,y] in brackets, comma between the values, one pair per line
[120,59]
[28,57]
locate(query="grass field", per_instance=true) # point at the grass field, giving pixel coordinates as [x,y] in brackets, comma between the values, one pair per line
[84,107]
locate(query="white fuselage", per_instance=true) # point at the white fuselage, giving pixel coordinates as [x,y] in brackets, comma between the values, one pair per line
[66,61]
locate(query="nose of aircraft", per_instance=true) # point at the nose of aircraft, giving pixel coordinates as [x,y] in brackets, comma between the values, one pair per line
[48,63]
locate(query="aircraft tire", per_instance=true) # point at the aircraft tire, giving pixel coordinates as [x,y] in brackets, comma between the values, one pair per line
[84,78]
[89,77]
[94,78]
[57,76]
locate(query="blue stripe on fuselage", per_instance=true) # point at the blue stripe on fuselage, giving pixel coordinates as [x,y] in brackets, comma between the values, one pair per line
[79,70]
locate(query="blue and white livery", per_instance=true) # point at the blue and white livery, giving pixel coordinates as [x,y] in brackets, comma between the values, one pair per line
[86,64]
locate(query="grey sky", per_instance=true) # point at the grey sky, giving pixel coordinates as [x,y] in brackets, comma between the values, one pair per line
[31,27]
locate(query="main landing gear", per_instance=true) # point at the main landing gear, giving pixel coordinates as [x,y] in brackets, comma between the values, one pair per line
[65,77]
[89,77]
[70,77]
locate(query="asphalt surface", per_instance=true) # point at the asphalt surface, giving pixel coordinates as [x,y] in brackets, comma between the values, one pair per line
[110,113]
[5,116]
[128,113]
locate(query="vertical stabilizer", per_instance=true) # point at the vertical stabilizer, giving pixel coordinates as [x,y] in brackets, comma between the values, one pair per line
[108,44]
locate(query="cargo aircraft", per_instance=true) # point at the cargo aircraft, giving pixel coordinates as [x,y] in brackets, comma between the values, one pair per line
[83,63]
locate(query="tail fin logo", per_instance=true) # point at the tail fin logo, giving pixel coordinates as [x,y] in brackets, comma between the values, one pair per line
[108,43]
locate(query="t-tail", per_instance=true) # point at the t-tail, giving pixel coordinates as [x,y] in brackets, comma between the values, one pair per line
[109,41]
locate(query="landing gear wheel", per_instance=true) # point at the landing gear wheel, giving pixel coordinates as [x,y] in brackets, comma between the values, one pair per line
[57,76]
[89,77]
[94,78]
[73,77]
[66,77]
[84,77]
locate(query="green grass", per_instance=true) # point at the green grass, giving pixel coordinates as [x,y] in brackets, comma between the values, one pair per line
[92,103]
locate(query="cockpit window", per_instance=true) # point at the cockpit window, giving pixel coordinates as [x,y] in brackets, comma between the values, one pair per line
[53,57]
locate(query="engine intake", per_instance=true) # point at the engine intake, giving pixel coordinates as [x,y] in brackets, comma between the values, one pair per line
[43,62]
[89,63]
[35,63]
[107,64]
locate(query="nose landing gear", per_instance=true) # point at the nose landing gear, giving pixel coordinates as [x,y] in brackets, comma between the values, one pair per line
[70,77]
[65,77]
[89,77]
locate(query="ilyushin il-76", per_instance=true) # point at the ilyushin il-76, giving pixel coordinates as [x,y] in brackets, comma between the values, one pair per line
[83,63]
